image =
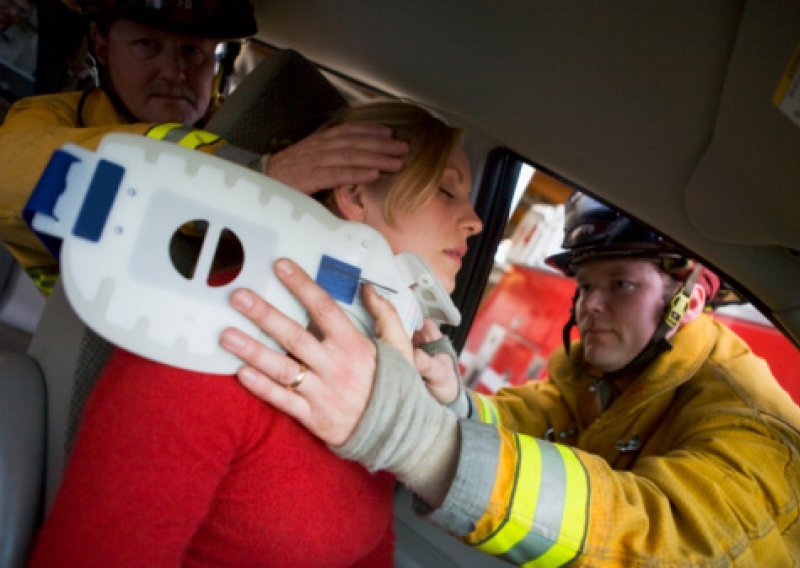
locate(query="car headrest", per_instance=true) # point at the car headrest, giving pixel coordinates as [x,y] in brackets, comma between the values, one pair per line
[284,99]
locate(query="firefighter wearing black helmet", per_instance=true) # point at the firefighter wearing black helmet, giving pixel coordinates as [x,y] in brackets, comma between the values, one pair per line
[686,453]
[156,59]
[593,232]
[156,63]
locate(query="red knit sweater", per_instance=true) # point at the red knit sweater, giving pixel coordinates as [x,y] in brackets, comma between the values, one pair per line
[178,468]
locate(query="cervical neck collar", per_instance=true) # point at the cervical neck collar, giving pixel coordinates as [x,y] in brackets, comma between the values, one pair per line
[112,214]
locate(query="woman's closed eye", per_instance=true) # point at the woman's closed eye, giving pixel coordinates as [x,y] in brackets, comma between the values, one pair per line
[447,193]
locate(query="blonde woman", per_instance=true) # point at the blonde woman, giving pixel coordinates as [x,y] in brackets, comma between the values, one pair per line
[173,467]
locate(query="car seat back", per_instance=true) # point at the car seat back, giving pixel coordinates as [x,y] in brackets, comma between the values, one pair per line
[23,420]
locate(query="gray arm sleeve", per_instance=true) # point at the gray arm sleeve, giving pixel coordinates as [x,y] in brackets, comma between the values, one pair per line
[471,489]
[404,430]
[240,156]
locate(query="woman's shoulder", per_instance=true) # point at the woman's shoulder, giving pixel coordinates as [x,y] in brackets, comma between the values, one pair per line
[206,412]
[148,383]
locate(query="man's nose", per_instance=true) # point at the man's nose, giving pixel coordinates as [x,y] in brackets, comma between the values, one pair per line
[593,300]
[173,63]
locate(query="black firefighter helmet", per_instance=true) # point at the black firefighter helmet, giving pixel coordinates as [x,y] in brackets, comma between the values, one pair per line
[214,19]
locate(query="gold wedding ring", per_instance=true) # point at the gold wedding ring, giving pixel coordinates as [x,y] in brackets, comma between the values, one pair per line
[298,380]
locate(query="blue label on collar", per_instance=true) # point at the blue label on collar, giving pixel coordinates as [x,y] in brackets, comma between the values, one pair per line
[98,201]
[339,279]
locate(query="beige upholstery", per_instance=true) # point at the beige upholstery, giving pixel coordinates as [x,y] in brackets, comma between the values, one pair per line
[286,98]
[71,357]
[22,433]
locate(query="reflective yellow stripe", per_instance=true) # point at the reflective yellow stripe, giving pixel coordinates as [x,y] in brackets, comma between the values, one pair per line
[44,278]
[159,131]
[574,520]
[519,517]
[484,414]
[197,138]
[546,519]
[487,411]
[576,504]
[181,135]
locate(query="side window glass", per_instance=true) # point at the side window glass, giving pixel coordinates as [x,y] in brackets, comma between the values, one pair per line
[526,303]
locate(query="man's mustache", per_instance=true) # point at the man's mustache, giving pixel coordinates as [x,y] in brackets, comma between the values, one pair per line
[172,90]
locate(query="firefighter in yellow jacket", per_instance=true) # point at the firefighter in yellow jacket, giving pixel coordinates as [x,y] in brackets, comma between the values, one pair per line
[155,75]
[658,439]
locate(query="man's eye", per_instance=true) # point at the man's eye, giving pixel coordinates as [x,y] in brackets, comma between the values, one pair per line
[624,285]
[448,194]
[145,47]
[193,54]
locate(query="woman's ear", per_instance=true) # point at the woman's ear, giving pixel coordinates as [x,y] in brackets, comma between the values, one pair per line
[697,302]
[350,201]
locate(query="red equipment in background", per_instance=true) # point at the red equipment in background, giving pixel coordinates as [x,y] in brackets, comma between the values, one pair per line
[520,321]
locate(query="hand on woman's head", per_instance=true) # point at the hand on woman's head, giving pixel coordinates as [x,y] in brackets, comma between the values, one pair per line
[339,155]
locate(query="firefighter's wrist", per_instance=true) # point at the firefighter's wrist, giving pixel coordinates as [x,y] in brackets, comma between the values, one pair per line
[404,430]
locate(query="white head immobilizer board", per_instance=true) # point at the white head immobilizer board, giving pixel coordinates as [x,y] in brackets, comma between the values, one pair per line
[115,212]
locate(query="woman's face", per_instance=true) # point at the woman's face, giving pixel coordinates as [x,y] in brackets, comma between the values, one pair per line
[438,230]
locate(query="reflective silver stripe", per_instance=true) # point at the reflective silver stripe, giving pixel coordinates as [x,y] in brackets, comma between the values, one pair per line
[175,135]
[547,517]
[549,508]
[488,411]
[182,135]
[159,131]
[471,490]
[239,156]
[193,138]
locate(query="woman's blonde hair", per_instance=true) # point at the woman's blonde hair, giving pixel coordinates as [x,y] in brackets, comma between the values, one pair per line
[430,141]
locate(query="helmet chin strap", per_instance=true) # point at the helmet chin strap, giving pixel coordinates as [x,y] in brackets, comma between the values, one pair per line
[659,341]
[571,322]
[112,94]
[100,80]
[225,69]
